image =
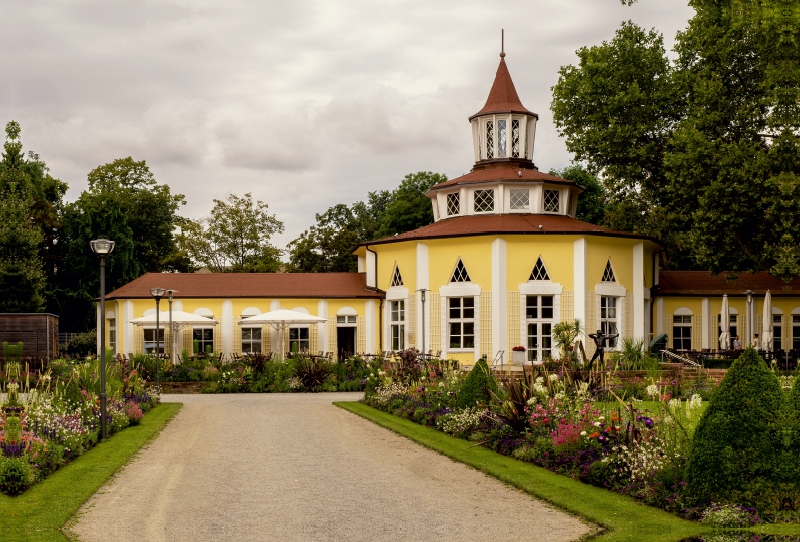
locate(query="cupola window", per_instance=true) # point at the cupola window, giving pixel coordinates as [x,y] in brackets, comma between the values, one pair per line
[397,280]
[539,271]
[520,198]
[501,138]
[608,274]
[515,139]
[453,204]
[489,139]
[551,201]
[460,273]
[484,201]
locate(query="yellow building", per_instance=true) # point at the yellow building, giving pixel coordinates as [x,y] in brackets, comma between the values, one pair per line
[503,262]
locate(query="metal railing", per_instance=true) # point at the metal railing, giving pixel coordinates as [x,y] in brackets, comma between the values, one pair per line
[682,359]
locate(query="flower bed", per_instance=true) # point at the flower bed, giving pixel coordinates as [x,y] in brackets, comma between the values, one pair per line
[636,446]
[56,421]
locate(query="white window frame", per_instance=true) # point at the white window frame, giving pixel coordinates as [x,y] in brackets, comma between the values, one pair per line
[204,342]
[397,324]
[493,190]
[111,325]
[303,344]
[777,332]
[684,322]
[545,190]
[540,353]
[250,341]
[457,195]
[511,207]
[611,325]
[154,338]
[462,321]
[795,331]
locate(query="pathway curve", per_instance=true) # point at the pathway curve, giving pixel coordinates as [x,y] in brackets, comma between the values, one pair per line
[294,467]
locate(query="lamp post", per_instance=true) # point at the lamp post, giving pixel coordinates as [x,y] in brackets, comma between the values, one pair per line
[102,247]
[157,293]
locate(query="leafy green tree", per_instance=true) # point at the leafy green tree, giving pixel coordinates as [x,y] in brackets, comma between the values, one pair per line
[409,207]
[234,238]
[327,246]
[701,152]
[30,176]
[22,280]
[592,203]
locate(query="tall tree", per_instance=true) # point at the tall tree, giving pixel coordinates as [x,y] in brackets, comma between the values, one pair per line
[236,237]
[703,152]
[328,245]
[32,180]
[592,203]
[22,280]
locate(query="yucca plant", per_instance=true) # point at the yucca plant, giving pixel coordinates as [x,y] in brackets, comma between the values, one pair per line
[564,335]
[633,357]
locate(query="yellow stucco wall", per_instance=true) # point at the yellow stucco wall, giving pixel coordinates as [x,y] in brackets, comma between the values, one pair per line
[557,254]
[475,253]
[405,256]
[602,249]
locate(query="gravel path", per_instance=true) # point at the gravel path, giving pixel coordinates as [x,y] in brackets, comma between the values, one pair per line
[294,467]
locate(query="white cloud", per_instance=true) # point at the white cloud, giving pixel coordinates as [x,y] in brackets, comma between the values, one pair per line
[304,103]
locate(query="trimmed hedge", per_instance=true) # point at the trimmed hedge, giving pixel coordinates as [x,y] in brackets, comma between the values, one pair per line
[738,444]
[478,386]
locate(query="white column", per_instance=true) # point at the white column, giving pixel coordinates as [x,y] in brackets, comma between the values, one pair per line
[705,315]
[372,325]
[372,269]
[423,332]
[127,310]
[226,325]
[322,328]
[579,287]
[274,336]
[499,288]
[638,292]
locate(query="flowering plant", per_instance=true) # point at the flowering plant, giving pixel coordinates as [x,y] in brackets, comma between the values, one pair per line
[518,349]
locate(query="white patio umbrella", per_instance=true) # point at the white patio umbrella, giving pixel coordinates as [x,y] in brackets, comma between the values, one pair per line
[281,319]
[725,325]
[180,320]
[766,323]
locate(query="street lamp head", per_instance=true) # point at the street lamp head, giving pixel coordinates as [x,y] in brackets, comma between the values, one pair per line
[102,247]
[158,293]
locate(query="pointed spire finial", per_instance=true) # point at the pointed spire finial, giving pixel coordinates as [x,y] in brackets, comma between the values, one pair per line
[502,43]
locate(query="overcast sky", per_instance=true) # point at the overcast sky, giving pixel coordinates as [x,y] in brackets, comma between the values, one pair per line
[304,103]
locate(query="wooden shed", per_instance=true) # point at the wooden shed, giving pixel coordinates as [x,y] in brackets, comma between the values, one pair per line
[37,331]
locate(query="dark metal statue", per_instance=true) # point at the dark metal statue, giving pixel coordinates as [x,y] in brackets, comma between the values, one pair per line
[600,339]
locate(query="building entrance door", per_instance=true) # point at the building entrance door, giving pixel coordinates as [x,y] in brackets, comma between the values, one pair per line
[345,341]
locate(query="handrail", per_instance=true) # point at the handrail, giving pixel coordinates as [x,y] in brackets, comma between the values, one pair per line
[683,359]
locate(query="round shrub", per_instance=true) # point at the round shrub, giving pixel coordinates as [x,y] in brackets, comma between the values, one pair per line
[478,386]
[737,446]
[15,475]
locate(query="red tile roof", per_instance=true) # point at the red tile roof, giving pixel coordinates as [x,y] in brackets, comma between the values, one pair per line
[703,283]
[520,224]
[233,285]
[505,173]
[503,97]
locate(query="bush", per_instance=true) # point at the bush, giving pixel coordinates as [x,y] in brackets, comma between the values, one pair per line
[312,373]
[82,345]
[736,449]
[15,475]
[478,387]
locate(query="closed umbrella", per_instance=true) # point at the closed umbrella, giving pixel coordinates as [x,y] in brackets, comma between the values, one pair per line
[766,323]
[281,319]
[725,325]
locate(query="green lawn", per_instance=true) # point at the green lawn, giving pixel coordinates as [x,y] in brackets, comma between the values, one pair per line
[42,511]
[621,518]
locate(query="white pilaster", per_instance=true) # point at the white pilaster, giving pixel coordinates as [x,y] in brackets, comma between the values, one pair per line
[372,269]
[705,315]
[638,292]
[579,281]
[372,325]
[274,336]
[499,294]
[226,323]
[322,328]
[423,332]
[127,329]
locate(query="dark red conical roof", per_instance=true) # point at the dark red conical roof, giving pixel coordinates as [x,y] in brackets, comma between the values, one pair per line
[503,97]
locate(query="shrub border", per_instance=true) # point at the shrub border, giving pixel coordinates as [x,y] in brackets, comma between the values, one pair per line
[45,511]
[620,518]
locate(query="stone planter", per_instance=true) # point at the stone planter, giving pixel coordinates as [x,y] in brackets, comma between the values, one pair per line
[518,358]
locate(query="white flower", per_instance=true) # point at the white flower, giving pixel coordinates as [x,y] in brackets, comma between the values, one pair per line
[674,404]
[597,424]
[553,377]
[601,418]
[539,379]
[531,401]
[583,433]
[652,390]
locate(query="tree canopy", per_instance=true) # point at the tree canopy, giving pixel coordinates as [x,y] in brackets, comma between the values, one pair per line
[236,237]
[327,246]
[701,152]
[592,202]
